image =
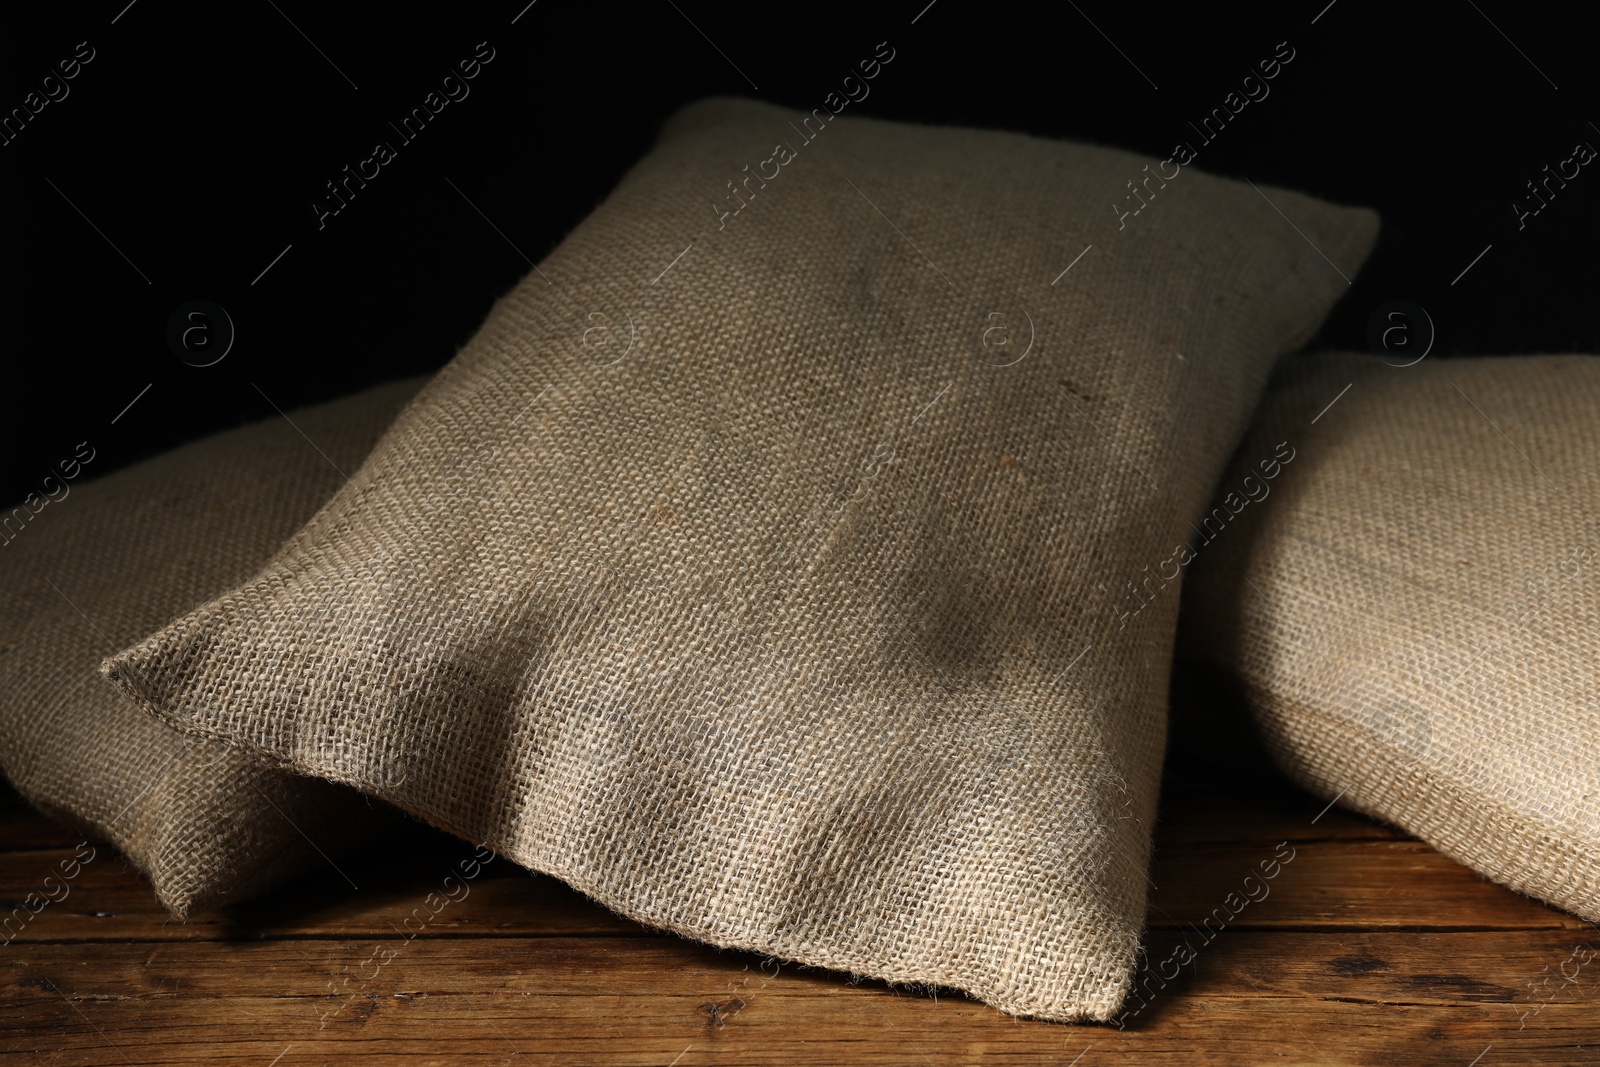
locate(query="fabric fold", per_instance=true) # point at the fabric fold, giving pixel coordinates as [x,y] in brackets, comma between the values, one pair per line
[759,570]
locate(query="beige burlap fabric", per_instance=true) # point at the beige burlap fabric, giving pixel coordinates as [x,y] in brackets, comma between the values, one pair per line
[759,574]
[113,558]
[1413,607]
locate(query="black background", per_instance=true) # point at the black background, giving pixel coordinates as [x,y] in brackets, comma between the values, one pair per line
[197,136]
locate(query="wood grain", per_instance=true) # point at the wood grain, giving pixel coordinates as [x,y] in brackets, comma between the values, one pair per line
[1367,948]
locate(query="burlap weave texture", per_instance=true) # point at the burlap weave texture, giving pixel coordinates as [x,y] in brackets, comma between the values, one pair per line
[113,558]
[1413,611]
[758,573]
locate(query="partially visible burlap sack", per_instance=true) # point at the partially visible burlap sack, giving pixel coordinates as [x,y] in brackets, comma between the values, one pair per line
[109,560]
[759,574]
[1412,604]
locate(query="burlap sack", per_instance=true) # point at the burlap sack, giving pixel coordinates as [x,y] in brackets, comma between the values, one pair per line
[109,560]
[759,574]
[1412,607]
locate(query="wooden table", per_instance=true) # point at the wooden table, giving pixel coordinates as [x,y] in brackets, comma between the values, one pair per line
[1370,948]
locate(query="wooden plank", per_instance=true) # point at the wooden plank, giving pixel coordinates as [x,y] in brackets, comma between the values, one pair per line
[1417,968]
[1249,996]
[443,1031]
[109,901]
[1341,884]
[1370,885]
[1366,948]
